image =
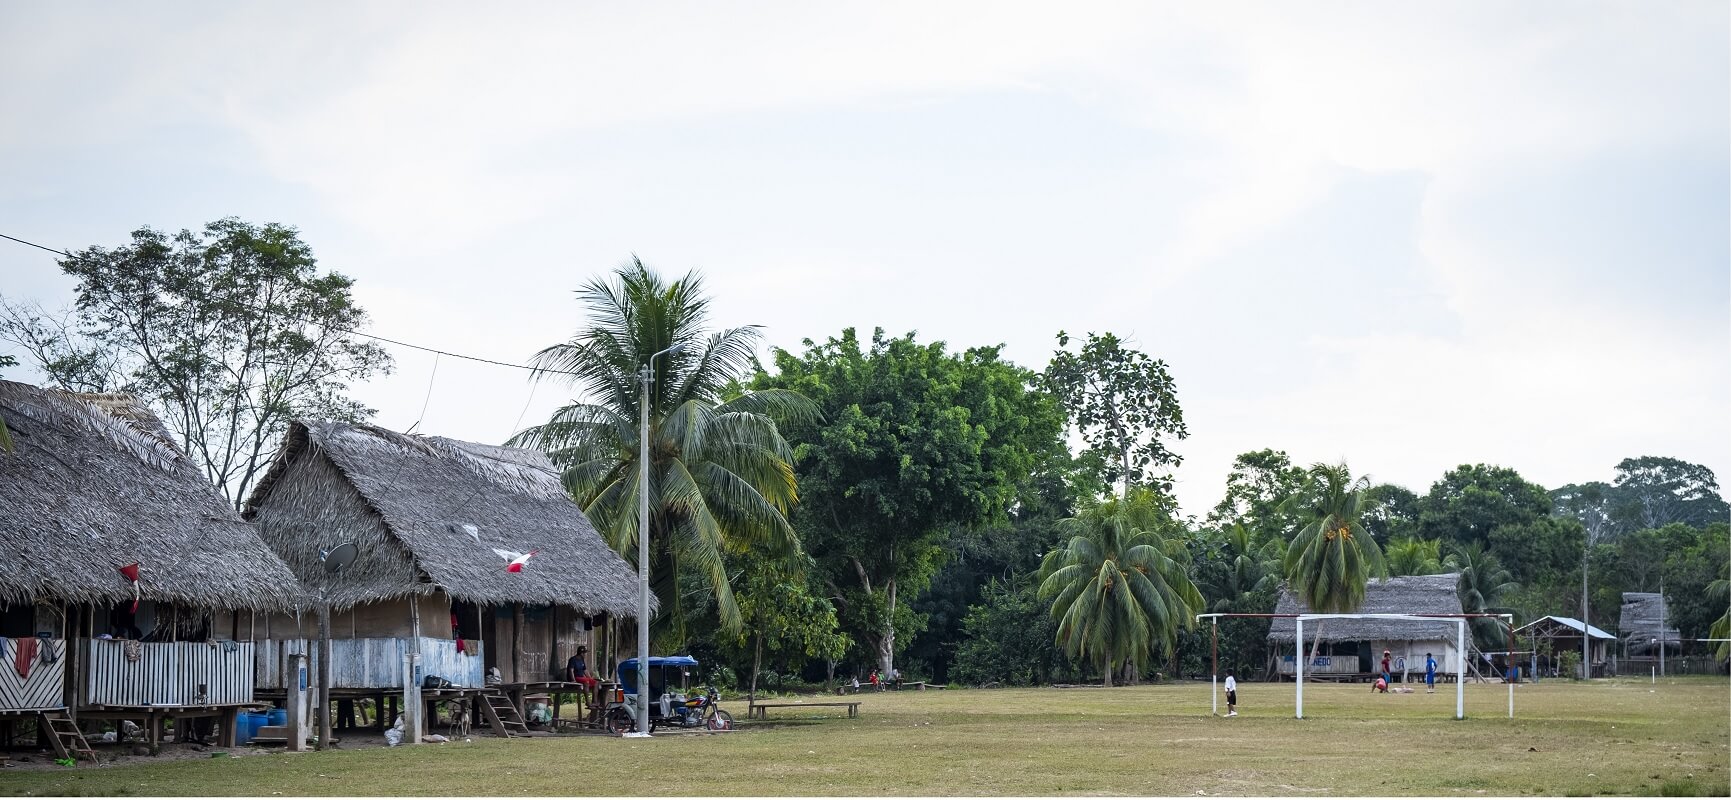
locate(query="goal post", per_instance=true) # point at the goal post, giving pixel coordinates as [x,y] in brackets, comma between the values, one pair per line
[1462,651]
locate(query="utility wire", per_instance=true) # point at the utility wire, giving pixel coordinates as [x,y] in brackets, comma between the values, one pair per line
[328,326]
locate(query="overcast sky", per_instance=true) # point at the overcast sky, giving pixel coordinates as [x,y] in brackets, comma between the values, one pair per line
[1407,235]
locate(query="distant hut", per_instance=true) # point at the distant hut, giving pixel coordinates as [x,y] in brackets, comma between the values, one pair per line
[1352,648]
[428,515]
[94,494]
[1644,624]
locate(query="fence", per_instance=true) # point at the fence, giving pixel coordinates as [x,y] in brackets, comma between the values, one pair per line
[43,685]
[1674,665]
[126,673]
[371,663]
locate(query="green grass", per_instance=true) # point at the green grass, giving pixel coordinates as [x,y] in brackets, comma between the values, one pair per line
[1618,737]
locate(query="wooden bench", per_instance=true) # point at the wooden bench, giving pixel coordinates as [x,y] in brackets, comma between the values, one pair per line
[756,710]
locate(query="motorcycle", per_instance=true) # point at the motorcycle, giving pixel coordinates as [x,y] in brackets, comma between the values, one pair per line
[674,708]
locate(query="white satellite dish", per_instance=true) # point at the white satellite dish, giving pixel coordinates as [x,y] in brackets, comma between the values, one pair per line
[336,558]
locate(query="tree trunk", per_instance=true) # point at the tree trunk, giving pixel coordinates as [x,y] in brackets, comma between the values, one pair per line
[1315,642]
[1106,668]
[756,665]
[887,645]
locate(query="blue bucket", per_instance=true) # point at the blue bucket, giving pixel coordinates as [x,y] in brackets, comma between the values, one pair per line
[277,716]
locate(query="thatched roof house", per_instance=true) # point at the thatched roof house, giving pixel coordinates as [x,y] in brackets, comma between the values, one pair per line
[427,514]
[1643,620]
[1353,645]
[429,517]
[1410,594]
[95,483]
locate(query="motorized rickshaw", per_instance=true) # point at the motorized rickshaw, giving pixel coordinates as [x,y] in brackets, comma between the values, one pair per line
[671,700]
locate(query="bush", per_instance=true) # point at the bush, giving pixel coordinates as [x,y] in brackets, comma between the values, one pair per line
[1568,663]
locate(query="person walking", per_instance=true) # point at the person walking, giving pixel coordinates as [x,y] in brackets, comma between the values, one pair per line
[1429,674]
[1231,695]
[1387,673]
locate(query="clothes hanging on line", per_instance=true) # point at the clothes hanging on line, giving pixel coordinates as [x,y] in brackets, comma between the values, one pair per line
[25,656]
[47,648]
[134,650]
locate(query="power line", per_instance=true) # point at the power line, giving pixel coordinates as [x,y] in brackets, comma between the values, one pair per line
[328,326]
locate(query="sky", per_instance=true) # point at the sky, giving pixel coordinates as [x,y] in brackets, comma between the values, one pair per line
[1407,236]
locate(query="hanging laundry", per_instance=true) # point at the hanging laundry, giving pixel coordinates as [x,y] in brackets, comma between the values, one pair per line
[134,650]
[46,647]
[230,646]
[25,658]
[462,645]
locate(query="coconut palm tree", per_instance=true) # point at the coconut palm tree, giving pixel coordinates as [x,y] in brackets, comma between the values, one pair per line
[1409,555]
[1116,590]
[1719,593]
[720,475]
[1483,585]
[1249,569]
[1332,556]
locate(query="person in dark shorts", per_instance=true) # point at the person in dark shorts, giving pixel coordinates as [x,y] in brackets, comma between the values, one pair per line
[1231,695]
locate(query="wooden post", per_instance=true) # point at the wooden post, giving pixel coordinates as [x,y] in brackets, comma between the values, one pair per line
[295,700]
[516,643]
[412,709]
[323,713]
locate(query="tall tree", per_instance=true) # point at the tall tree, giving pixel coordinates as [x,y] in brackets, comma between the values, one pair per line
[720,473]
[1473,499]
[1390,512]
[1258,490]
[1657,491]
[1116,591]
[1333,556]
[227,333]
[915,441]
[1123,402]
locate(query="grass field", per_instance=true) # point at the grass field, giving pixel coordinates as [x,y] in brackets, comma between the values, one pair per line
[1610,737]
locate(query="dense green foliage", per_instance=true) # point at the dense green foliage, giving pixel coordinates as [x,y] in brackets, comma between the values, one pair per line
[915,443]
[1122,401]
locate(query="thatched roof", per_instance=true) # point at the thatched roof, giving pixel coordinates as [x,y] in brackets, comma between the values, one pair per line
[96,483]
[428,512]
[1411,594]
[1642,615]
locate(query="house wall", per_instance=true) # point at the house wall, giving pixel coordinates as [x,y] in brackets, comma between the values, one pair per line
[1410,652]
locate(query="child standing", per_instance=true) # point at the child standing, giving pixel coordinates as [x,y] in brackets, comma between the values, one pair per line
[1231,695]
[1429,674]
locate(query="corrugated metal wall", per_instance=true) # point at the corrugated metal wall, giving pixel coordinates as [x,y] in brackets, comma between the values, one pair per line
[371,663]
[44,686]
[168,673]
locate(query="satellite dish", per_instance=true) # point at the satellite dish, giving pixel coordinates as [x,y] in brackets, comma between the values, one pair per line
[336,558]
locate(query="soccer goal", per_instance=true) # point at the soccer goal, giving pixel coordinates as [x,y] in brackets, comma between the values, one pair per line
[1459,655]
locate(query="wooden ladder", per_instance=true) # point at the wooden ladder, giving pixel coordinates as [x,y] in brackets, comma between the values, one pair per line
[64,735]
[502,714]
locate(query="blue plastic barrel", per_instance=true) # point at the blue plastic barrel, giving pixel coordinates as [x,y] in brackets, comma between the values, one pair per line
[277,716]
[247,725]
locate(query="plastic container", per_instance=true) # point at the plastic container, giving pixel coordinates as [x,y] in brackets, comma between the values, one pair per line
[248,725]
[277,716]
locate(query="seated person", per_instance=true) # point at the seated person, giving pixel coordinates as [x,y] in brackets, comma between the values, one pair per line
[576,671]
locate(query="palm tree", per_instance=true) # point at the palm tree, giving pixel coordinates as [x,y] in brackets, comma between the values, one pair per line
[1483,585]
[1409,555]
[720,475]
[1249,569]
[1333,556]
[1116,590]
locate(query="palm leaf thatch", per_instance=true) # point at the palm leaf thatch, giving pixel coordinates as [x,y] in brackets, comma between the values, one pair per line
[427,513]
[94,483]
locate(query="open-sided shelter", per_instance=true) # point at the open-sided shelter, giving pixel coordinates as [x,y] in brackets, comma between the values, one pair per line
[126,580]
[1353,647]
[1552,636]
[430,518]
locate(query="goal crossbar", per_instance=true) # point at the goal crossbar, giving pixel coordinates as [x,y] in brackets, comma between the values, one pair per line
[1460,620]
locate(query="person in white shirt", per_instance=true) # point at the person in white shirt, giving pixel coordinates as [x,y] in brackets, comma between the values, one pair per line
[1231,695]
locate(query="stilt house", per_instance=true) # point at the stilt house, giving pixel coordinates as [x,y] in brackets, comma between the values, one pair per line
[436,523]
[126,580]
[1353,647]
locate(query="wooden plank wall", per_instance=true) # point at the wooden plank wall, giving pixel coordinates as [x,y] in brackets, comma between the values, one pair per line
[168,673]
[370,663]
[45,688]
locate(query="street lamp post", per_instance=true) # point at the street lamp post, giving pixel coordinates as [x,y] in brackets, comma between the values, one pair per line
[648,377]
